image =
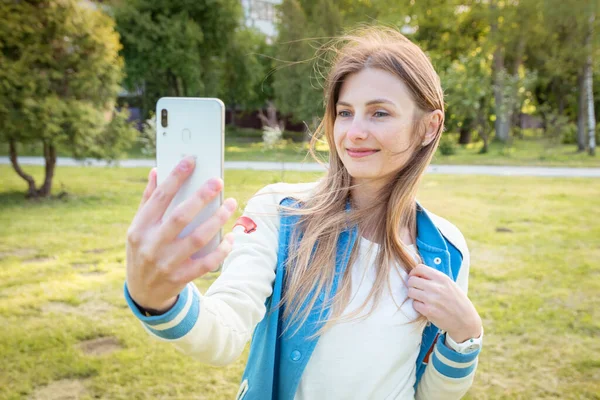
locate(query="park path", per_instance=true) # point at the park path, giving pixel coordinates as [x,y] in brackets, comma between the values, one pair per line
[313,167]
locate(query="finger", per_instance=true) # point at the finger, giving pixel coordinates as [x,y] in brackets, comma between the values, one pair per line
[163,194]
[150,187]
[185,212]
[196,268]
[424,271]
[418,283]
[417,294]
[420,307]
[203,234]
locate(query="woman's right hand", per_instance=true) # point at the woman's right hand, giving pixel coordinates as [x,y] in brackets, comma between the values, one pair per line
[159,264]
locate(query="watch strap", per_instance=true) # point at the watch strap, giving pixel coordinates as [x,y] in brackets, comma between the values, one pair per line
[149,312]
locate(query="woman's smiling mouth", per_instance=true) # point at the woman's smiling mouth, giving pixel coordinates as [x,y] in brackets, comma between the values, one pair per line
[360,152]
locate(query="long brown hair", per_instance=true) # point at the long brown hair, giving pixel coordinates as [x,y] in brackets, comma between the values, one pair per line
[323,216]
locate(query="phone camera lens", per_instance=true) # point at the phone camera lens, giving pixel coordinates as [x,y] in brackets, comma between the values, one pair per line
[164,118]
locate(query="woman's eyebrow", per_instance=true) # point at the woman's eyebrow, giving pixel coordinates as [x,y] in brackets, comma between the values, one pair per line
[370,102]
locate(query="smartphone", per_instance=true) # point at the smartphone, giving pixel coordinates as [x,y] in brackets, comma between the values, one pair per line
[191,126]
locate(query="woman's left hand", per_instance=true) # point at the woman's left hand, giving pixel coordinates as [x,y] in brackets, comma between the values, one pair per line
[442,301]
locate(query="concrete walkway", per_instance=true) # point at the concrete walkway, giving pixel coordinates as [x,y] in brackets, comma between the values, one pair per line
[313,167]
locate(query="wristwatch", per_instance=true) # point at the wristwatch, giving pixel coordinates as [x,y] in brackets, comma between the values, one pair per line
[468,346]
[148,312]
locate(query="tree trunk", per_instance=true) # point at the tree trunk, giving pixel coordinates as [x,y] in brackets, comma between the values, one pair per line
[180,86]
[173,83]
[501,123]
[482,126]
[465,132]
[591,117]
[31,192]
[561,103]
[50,157]
[581,112]
[544,122]
[184,87]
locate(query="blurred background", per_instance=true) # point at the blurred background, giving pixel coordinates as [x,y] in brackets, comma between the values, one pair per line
[78,84]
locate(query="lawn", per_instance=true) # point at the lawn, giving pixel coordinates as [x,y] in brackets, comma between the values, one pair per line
[530,151]
[246,145]
[66,330]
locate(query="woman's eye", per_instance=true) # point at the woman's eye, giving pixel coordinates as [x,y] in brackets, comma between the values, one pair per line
[380,114]
[344,113]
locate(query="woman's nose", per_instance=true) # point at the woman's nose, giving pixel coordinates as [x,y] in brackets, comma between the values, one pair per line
[357,130]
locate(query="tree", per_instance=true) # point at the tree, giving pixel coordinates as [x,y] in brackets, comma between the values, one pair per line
[302,31]
[176,47]
[588,78]
[512,26]
[468,93]
[557,56]
[292,51]
[244,71]
[58,83]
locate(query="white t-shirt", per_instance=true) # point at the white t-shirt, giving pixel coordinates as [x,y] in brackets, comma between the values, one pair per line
[372,358]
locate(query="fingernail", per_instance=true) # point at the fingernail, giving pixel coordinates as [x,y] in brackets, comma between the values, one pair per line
[214,184]
[231,205]
[186,164]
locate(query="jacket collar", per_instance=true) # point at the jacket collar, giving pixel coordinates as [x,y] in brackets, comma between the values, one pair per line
[431,244]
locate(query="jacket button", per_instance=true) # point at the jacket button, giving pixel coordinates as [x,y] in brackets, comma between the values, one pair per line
[295,356]
[437,261]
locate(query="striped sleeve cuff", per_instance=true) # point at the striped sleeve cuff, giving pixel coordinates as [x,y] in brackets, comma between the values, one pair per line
[175,323]
[451,363]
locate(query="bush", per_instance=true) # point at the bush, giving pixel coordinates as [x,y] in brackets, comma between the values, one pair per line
[117,136]
[447,146]
[271,136]
[147,137]
[568,134]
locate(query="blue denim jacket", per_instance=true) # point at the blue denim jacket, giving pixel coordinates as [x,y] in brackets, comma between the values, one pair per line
[276,363]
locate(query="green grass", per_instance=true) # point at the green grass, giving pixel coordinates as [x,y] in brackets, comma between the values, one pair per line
[62,271]
[526,152]
[246,145]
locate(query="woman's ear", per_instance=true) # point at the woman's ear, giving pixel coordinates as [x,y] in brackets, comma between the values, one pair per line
[432,123]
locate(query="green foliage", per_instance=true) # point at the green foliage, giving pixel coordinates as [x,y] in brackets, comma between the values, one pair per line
[467,87]
[303,29]
[176,47]
[147,137]
[116,139]
[58,82]
[447,146]
[60,72]
[538,46]
[291,78]
[569,134]
[246,65]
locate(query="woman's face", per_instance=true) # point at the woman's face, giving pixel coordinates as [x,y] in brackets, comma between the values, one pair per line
[373,124]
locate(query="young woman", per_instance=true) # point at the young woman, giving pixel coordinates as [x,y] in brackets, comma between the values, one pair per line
[348,287]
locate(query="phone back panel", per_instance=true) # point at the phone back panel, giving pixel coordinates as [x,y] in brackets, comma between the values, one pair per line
[195,127]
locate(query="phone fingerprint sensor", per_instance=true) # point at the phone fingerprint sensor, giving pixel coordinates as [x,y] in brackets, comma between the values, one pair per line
[186,136]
